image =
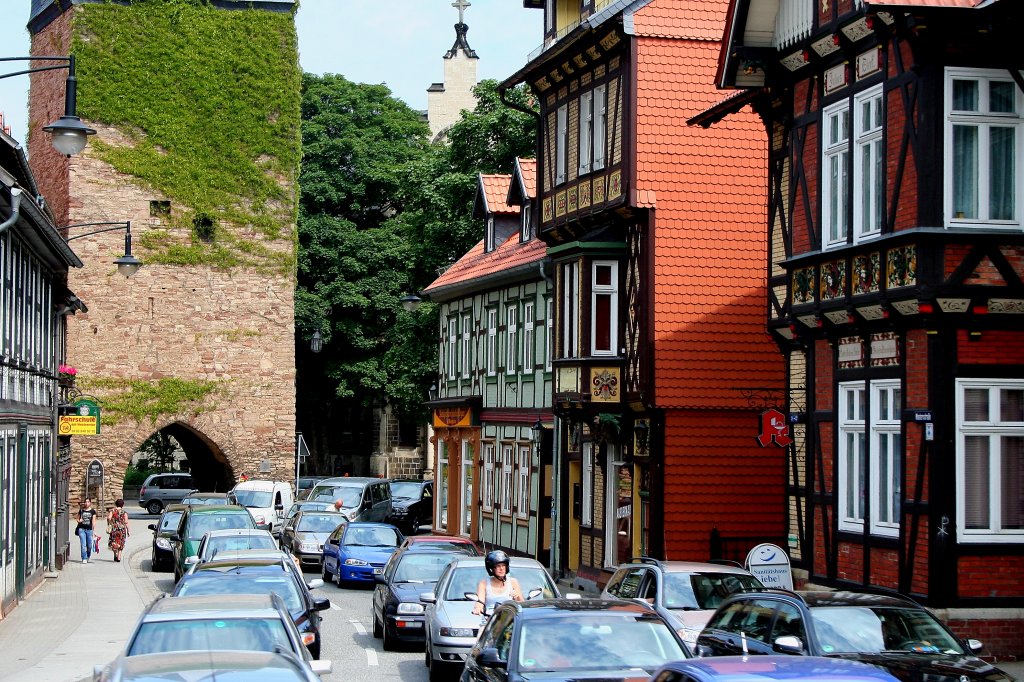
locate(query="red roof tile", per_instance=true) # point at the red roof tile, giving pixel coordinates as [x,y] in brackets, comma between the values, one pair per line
[528,171]
[476,264]
[700,20]
[495,193]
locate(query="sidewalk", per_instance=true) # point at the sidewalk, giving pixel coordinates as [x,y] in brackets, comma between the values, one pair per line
[81,618]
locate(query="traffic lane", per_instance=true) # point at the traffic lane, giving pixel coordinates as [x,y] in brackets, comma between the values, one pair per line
[348,638]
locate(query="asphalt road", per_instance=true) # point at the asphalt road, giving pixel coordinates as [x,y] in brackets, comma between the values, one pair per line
[347,627]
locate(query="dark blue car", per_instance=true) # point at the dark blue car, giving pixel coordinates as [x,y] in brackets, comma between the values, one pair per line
[357,551]
[770,669]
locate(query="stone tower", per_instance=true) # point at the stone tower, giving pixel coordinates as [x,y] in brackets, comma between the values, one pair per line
[197,111]
[446,100]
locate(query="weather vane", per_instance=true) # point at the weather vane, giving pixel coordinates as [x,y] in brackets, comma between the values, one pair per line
[461,5]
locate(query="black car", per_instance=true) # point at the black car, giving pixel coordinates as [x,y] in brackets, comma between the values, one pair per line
[412,504]
[572,639]
[162,556]
[891,632]
[397,609]
[268,574]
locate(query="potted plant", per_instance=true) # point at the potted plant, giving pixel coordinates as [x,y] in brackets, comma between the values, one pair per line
[66,375]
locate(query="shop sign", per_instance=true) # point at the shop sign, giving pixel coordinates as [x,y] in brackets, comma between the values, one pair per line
[453,417]
[84,419]
[774,429]
[770,564]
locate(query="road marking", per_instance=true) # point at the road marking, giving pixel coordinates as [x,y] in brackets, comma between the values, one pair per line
[371,657]
[358,626]
[335,607]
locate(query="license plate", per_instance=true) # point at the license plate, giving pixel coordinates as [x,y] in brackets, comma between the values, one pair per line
[378,571]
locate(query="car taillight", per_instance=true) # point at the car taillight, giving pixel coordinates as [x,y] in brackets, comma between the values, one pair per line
[308,638]
[142,491]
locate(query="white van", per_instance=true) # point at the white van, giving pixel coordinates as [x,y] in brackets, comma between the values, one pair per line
[266,501]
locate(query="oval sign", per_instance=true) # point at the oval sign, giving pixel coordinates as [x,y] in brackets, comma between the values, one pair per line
[770,564]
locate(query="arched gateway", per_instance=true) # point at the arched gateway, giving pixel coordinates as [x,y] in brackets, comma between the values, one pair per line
[200,342]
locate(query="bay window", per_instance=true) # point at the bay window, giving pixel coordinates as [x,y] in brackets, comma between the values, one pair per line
[570,309]
[990,460]
[604,299]
[982,144]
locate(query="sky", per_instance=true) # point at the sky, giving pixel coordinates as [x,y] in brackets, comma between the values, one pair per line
[396,42]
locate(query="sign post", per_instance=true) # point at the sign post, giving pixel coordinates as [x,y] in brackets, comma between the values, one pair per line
[83,419]
[770,564]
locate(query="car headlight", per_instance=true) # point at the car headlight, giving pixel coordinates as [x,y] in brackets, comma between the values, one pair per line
[163,543]
[260,519]
[356,562]
[456,632]
[309,547]
[408,609]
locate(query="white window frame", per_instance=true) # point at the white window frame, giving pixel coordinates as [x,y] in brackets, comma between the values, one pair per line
[570,309]
[587,488]
[886,428]
[442,491]
[995,429]
[487,478]
[851,424]
[610,291]
[561,143]
[528,336]
[586,131]
[525,225]
[549,323]
[492,342]
[511,339]
[507,454]
[523,482]
[466,491]
[453,344]
[985,121]
[835,174]
[868,188]
[467,345]
[600,126]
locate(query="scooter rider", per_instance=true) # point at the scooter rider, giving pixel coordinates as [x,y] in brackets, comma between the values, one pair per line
[499,586]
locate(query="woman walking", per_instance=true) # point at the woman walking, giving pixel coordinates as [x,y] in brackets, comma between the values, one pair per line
[86,515]
[117,528]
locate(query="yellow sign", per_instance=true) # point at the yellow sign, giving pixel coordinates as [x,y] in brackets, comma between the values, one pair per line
[73,425]
[453,417]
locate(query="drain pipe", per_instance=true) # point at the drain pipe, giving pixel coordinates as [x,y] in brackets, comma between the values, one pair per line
[15,210]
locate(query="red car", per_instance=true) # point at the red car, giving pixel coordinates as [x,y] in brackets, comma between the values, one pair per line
[433,543]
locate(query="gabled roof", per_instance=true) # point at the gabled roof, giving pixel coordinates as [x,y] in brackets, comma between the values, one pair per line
[523,187]
[477,270]
[492,196]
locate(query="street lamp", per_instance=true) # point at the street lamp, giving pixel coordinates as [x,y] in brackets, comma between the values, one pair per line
[537,431]
[432,391]
[127,264]
[316,344]
[69,133]
[411,302]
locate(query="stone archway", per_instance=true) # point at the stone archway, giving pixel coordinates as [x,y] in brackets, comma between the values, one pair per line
[211,471]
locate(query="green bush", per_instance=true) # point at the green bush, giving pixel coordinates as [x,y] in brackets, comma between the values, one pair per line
[135,476]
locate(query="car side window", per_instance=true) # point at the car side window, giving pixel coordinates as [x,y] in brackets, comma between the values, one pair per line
[629,588]
[726,616]
[649,589]
[427,492]
[755,620]
[498,632]
[789,623]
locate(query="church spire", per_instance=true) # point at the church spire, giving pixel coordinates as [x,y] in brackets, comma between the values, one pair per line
[461,28]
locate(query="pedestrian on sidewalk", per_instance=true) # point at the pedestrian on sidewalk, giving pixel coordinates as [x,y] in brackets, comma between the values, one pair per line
[86,516]
[117,528]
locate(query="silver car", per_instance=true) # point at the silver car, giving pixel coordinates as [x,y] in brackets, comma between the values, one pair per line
[305,533]
[232,540]
[451,626]
[224,666]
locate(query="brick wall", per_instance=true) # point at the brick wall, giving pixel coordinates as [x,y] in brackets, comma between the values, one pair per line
[991,348]
[990,576]
[1003,637]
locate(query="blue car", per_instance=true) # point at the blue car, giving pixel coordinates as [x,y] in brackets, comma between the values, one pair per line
[356,551]
[770,669]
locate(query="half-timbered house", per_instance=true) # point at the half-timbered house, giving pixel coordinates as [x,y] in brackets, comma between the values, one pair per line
[896,206]
[661,361]
[492,414]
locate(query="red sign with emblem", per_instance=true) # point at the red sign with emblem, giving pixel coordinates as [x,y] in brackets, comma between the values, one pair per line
[774,429]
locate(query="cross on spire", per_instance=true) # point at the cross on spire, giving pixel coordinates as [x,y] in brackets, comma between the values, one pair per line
[461,5]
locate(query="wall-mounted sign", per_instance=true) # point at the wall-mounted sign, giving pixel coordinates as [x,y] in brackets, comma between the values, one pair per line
[84,419]
[604,385]
[770,564]
[774,429]
[453,417]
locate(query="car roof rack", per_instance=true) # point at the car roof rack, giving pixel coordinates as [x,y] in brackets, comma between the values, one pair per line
[880,592]
[644,560]
[770,590]
[726,562]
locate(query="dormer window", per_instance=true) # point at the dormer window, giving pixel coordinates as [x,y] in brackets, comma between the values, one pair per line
[525,229]
[489,235]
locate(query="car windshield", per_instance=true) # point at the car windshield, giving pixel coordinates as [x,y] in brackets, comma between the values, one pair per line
[203,500]
[849,629]
[201,524]
[170,520]
[421,568]
[319,523]
[231,543]
[439,545]
[254,498]
[246,634]
[466,578]
[213,582]
[703,590]
[596,642]
[371,537]
[349,495]
[407,489]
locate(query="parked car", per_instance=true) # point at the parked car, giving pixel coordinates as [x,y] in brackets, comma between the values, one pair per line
[305,533]
[685,593]
[160,490]
[451,626]
[305,484]
[223,666]
[570,639]
[446,543]
[397,610]
[232,540]
[249,622]
[306,505]
[198,521]
[162,556]
[891,632]
[261,573]
[355,552]
[769,669]
[412,504]
[266,501]
[197,498]
[359,499]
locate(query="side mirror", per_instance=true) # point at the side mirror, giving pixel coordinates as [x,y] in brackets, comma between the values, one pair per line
[534,593]
[189,561]
[489,659]
[321,604]
[315,583]
[703,650]
[428,598]
[788,644]
[321,667]
[471,596]
[152,526]
[975,645]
